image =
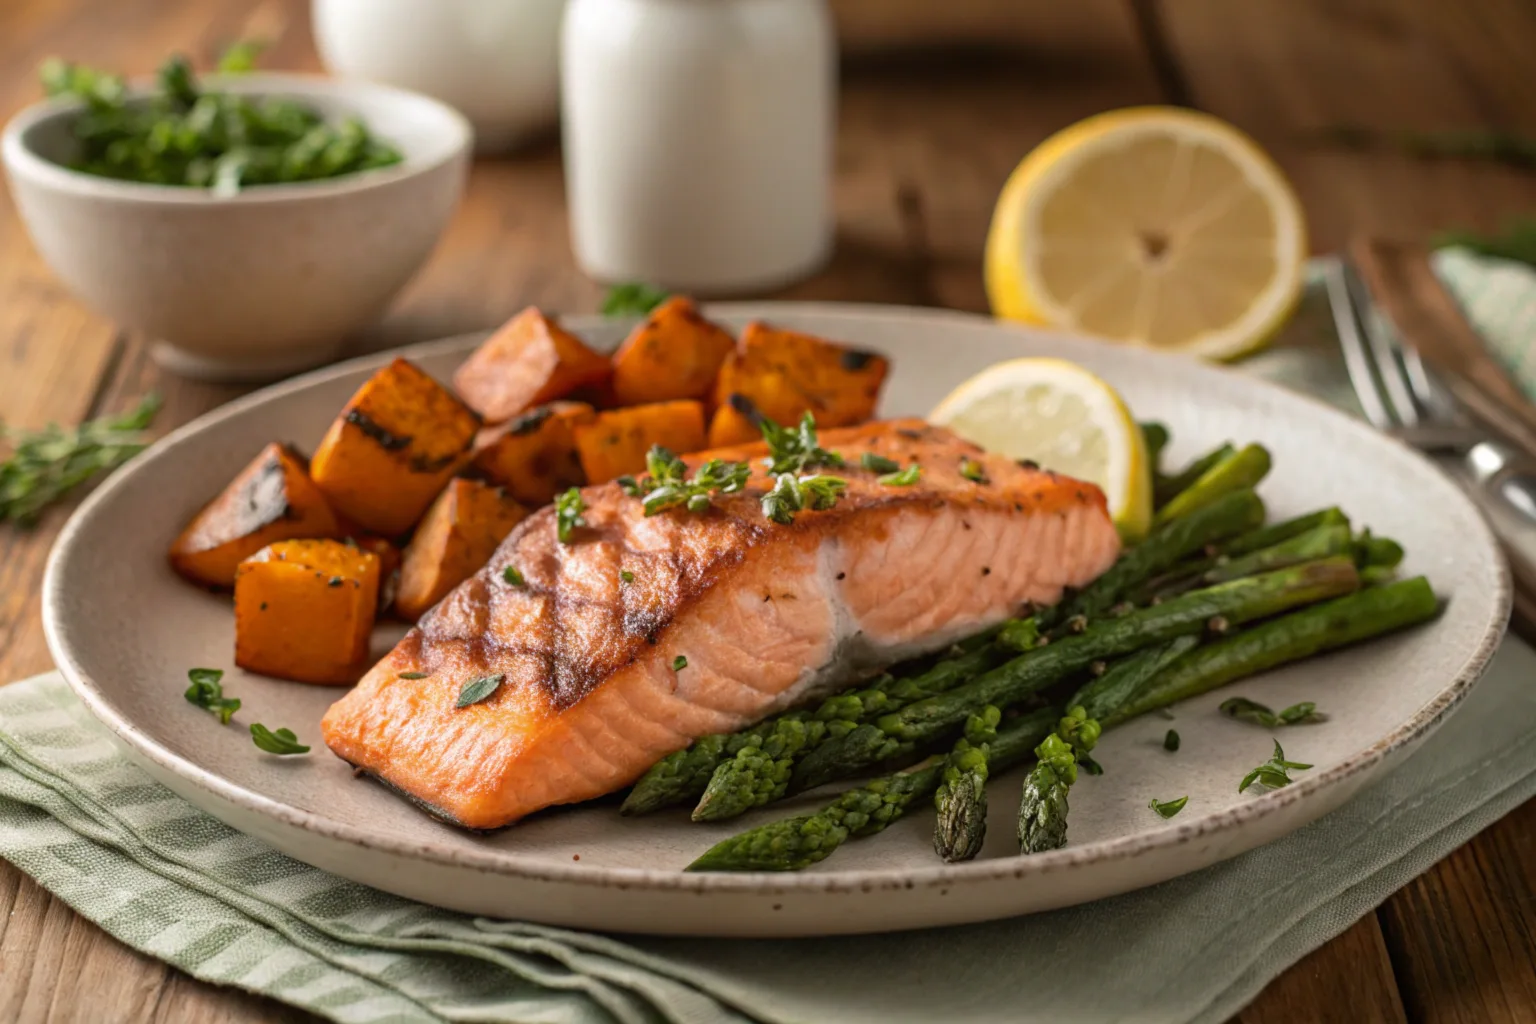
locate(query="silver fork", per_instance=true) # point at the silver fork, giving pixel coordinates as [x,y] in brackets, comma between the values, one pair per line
[1402,397]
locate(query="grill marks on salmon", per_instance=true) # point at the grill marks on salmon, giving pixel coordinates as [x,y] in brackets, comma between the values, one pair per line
[766,616]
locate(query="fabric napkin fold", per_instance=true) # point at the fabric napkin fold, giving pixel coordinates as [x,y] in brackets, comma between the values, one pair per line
[175,883]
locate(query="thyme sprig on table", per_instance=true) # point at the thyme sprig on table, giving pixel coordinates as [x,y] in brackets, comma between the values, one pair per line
[45,465]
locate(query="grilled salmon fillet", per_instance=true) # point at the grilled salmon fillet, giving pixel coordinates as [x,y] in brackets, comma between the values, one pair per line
[642,634]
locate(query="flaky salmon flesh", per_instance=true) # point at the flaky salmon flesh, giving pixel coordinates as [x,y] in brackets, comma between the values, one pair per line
[643,634]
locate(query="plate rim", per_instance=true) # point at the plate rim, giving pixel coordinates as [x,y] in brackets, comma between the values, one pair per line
[496,862]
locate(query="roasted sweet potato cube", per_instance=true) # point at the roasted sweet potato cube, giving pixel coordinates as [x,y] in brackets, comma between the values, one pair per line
[529,361]
[389,565]
[304,610]
[271,499]
[399,440]
[534,456]
[615,442]
[457,536]
[786,374]
[674,354]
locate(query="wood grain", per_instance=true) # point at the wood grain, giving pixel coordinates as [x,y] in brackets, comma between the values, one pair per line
[925,142]
[1316,990]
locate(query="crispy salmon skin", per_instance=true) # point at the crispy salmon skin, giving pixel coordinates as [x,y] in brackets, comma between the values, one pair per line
[642,634]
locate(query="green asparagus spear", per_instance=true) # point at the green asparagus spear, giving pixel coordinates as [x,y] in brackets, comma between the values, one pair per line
[797,842]
[1187,574]
[1241,471]
[1228,516]
[794,843]
[1128,675]
[682,775]
[1301,634]
[760,770]
[1216,608]
[1377,552]
[961,799]
[686,774]
[1165,488]
[1274,533]
[1323,542]
[1043,809]
[1155,437]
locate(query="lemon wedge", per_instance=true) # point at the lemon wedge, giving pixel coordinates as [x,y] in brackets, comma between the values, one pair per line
[1066,419]
[1154,226]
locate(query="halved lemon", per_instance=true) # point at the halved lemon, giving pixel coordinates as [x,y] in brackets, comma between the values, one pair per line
[1154,226]
[1064,418]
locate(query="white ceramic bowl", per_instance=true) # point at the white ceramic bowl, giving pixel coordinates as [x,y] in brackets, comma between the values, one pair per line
[495,60]
[263,283]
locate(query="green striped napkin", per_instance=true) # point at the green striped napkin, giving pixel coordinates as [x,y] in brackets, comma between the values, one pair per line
[176,884]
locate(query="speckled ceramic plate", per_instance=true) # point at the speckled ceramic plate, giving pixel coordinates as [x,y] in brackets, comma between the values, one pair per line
[125,630]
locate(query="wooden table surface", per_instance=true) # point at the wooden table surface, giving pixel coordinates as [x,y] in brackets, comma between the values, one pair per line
[926,141]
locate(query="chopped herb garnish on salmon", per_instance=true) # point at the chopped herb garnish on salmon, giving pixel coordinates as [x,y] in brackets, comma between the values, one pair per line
[477,690]
[568,514]
[795,451]
[879,463]
[905,478]
[513,576]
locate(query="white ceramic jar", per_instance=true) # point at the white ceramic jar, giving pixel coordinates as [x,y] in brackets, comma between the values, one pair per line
[699,140]
[496,61]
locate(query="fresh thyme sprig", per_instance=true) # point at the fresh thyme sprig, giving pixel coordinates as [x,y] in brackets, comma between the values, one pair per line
[795,450]
[568,514]
[45,465]
[667,485]
[792,494]
[1273,773]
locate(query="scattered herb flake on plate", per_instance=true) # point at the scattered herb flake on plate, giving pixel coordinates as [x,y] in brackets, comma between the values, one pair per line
[207,692]
[283,742]
[1168,808]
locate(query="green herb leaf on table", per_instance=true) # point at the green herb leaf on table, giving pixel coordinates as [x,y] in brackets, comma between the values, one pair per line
[477,690]
[568,514]
[905,478]
[1168,808]
[283,742]
[879,463]
[44,466]
[797,450]
[632,299]
[1273,773]
[207,692]
[1171,741]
